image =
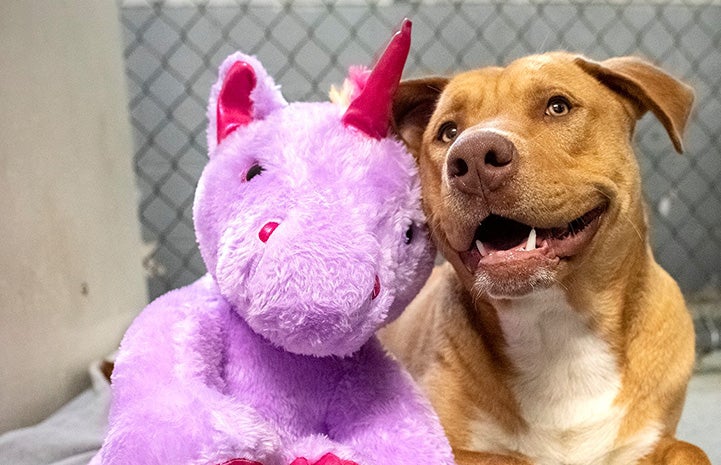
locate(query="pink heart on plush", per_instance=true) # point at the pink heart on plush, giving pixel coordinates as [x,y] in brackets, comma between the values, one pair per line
[327,459]
[241,462]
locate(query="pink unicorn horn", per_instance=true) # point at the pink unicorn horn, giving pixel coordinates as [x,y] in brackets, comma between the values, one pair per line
[370,111]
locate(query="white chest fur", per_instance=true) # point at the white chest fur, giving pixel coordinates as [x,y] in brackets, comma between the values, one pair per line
[566,384]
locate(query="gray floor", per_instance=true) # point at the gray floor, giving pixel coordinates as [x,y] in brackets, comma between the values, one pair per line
[701,420]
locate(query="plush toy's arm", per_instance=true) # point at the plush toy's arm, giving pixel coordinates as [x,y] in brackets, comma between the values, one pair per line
[381,414]
[169,405]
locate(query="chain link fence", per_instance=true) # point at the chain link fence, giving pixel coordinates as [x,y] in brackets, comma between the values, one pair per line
[173,49]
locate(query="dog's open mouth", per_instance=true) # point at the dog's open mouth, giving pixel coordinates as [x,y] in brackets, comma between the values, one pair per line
[500,241]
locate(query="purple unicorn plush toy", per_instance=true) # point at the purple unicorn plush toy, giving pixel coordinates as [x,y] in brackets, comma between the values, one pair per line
[308,219]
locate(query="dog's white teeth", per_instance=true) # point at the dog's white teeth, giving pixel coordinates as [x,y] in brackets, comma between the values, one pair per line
[531,244]
[481,249]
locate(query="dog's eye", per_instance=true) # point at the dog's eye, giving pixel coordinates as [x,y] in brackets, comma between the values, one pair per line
[558,106]
[408,237]
[253,171]
[447,132]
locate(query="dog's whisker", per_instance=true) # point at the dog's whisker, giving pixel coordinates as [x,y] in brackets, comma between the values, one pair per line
[560,284]
[542,47]
[624,216]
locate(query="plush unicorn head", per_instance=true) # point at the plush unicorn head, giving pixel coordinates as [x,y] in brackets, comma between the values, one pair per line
[308,214]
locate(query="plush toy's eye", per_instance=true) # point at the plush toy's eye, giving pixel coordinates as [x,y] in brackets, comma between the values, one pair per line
[408,237]
[253,171]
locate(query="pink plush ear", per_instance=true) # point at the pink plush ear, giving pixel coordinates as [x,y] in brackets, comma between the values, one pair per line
[243,93]
[235,108]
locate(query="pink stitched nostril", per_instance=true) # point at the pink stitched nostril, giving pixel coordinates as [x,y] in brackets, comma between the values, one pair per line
[376,288]
[267,230]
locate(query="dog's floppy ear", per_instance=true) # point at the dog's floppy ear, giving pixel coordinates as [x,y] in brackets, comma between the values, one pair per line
[647,88]
[413,105]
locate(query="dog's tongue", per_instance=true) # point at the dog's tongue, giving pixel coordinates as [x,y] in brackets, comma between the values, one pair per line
[527,251]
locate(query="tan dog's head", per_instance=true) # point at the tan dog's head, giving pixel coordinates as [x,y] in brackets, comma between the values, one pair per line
[539,148]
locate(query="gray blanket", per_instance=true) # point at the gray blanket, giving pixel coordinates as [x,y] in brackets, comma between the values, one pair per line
[71,436]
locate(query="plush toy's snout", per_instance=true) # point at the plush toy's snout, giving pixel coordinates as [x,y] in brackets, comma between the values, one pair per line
[270,227]
[316,285]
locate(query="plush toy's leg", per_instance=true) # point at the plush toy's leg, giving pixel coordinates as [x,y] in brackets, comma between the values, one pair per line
[169,404]
[382,415]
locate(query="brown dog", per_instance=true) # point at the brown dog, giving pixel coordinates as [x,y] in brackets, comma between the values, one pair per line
[552,337]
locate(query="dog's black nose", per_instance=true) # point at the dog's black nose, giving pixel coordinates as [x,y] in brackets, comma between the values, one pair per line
[481,160]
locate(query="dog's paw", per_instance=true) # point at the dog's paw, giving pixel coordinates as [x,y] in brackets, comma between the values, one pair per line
[682,453]
[464,457]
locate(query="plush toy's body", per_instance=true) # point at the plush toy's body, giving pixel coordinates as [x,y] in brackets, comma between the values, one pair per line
[308,219]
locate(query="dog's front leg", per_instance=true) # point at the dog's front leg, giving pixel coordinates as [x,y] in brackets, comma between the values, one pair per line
[466,457]
[671,451]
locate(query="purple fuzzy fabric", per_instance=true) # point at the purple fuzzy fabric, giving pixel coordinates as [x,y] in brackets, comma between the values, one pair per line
[272,355]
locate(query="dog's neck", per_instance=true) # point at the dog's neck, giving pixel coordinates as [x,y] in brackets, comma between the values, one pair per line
[564,371]
[565,377]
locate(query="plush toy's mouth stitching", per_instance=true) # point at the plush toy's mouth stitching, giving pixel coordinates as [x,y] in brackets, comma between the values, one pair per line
[376,288]
[498,239]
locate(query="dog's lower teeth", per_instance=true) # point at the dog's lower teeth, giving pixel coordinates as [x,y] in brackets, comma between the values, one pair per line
[531,244]
[481,249]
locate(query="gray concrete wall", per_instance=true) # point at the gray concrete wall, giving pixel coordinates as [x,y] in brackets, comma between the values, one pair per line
[70,269]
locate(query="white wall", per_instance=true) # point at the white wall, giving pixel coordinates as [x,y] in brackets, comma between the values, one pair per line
[70,268]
